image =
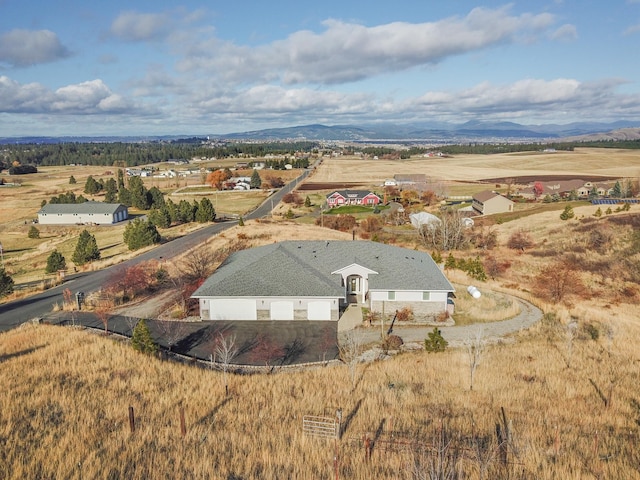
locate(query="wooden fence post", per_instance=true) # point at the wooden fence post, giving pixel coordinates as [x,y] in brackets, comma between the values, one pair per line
[132,420]
[183,425]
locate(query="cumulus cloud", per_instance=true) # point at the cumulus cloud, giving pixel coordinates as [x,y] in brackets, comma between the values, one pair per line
[533,98]
[347,52]
[21,48]
[530,99]
[87,97]
[139,27]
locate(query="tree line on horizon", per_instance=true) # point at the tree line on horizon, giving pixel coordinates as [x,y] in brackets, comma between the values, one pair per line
[134,154]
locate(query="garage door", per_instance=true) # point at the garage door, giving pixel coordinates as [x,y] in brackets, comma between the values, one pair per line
[229,309]
[281,310]
[319,310]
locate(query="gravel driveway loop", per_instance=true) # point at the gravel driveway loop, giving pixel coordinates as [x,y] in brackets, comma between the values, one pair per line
[492,332]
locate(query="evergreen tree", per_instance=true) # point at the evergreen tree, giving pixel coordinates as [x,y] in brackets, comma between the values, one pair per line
[593,193]
[205,212]
[72,180]
[86,249]
[256,181]
[140,233]
[450,262]
[185,212]
[6,283]
[55,262]
[124,197]
[111,191]
[616,192]
[567,213]
[141,339]
[160,217]
[120,179]
[307,201]
[139,193]
[156,197]
[91,187]
[435,342]
[33,232]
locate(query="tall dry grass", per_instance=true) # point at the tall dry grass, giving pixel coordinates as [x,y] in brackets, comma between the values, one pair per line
[66,393]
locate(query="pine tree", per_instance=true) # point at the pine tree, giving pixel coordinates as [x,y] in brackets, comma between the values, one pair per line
[435,342]
[55,262]
[33,232]
[111,191]
[6,283]
[256,181]
[140,233]
[205,212]
[141,339]
[567,213]
[91,187]
[86,249]
[72,180]
[160,217]
[307,201]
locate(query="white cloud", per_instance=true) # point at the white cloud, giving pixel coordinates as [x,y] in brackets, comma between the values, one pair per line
[347,52]
[140,27]
[88,97]
[21,48]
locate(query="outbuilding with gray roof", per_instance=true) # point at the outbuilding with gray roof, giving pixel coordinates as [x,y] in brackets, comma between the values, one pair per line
[97,213]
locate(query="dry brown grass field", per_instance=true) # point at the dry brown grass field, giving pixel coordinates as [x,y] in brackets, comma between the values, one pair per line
[25,258]
[568,385]
[582,161]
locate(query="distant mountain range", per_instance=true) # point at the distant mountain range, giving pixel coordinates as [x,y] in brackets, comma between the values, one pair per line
[438,133]
[435,133]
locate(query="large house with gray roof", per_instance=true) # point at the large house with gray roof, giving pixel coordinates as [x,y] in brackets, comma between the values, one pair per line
[87,213]
[317,280]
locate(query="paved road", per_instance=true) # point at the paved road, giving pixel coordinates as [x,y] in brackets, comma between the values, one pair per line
[14,313]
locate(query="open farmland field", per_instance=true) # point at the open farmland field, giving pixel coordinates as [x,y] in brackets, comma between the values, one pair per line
[474,168]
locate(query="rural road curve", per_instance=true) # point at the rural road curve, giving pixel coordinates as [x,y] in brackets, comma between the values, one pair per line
[17,312]
[456,335]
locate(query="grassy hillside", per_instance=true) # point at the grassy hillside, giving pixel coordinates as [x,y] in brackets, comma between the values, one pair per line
[573,411]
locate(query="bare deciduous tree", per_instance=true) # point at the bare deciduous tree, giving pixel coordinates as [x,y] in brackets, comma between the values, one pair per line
[131,323]
[350,346]
[224,351]
[172,331]
[448,234]
[475,346]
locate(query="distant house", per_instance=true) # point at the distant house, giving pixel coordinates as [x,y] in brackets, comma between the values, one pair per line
[352,197]
[82,213]
[564,188]
[317,280]
[488,203]
[404,179]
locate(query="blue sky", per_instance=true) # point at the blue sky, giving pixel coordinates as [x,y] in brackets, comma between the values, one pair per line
[147,68]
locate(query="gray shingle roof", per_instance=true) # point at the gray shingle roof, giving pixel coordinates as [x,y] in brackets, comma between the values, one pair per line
[304,268]
[98,208]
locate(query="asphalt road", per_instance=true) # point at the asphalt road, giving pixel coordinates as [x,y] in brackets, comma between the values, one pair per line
[17,312]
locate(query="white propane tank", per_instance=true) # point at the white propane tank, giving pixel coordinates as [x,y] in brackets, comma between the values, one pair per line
[474,292]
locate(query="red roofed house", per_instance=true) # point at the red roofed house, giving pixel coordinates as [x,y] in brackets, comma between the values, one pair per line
[352,197]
